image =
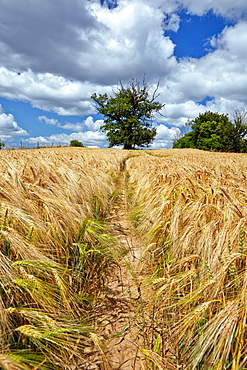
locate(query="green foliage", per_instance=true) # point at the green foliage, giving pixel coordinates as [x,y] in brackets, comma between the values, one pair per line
[214,131]
[185,141]
[128,115]
[76,143]
[1,145]
[240,130]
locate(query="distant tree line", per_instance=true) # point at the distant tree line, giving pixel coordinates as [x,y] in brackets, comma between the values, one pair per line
[215,132]
[128,117]
[130,110]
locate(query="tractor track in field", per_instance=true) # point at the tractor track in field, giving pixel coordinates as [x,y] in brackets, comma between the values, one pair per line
[120,314]
[119,321]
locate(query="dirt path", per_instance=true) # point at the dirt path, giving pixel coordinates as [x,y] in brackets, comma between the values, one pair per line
[121,305]
[120,313]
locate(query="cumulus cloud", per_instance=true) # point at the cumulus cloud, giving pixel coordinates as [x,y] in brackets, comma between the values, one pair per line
[94,139]
[97,139]
[60,64]
[93,125]
[222,105]
[219,74]
[233,40]
[91,40]
[47,91]
[135,40]
[179,114]
[47,36]
[66,126]
[9,127]
[88,123]
[224,8]
[49,121]
[56,56]
[171,22]
[87,131]
[165,137]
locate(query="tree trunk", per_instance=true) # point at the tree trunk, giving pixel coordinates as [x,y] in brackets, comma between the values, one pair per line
[127,146]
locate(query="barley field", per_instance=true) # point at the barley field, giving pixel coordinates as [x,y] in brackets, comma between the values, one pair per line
[168,225]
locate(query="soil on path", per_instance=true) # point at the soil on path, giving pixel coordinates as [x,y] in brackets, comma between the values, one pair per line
[120,316]
[121,305]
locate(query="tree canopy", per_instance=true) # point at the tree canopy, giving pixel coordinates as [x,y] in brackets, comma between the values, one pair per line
[214,131]
[128,114]
[76,143]
[1,144]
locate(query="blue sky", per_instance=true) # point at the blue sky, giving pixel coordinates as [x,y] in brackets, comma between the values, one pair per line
[192,39]
[54,56]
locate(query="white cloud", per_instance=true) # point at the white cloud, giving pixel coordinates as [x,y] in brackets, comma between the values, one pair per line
[73,126]
[79,126]
[109,44]
[47,36]
[222,105]
[233,40]
[164,138]
[56,56]
[47,91]
[135,40]
[171,22]
[224,8]
[49,121]
[221,73]
[178,114]
[65,126]
[88,138]
[81,39]
[9,127]
[93,125]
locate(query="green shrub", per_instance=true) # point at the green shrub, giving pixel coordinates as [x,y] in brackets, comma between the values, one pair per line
[76,143]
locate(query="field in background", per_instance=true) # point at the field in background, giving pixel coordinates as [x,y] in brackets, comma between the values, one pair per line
[188,208]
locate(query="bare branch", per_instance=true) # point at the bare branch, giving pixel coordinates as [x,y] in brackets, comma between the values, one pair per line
[155,91]
[240,116]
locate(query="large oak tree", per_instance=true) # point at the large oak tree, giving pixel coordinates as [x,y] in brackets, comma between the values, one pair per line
[128,114]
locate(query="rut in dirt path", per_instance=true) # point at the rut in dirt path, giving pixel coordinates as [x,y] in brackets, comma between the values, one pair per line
[122,302]
[122,321]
